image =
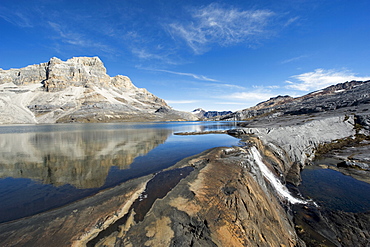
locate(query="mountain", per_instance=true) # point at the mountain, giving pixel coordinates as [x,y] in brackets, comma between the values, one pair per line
[202,114]
[77,90]
[334,97]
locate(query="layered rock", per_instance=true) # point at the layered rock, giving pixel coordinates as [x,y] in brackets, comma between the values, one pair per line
[77,90]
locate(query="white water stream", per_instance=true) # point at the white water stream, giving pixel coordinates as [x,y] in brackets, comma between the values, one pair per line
[280,188]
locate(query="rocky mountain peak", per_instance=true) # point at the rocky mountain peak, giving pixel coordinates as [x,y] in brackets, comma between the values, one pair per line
[77,71]
[78,89]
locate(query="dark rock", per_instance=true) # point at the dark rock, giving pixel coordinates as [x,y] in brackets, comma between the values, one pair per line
[321,227]
[228,190]
[363,121]
[163,109]
[353,164]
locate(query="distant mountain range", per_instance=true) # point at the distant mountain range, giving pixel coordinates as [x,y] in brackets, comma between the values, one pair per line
[202,114]
[328,99]
[77,90]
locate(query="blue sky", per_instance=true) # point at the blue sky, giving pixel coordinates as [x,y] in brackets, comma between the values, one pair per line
[218,55]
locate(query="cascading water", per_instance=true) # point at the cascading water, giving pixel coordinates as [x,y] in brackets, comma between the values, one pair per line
[280,188]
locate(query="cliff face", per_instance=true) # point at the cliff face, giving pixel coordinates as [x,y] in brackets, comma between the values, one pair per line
[77,90]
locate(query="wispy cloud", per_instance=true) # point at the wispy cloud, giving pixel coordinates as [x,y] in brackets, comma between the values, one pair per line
[293,59]
[198,77]
[321,78]
[291,21]
[226,85]
[251,96]
[144,54]
[77,39]
[15,17]
[247,98]
[221,25]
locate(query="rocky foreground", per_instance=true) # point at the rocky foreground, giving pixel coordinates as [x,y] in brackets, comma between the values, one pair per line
[77,90]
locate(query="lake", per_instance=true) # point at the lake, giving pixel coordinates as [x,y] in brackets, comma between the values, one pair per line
[47,166]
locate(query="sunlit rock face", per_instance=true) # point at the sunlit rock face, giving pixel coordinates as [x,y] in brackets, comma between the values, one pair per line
[225,201]
[76,90]
[81,159]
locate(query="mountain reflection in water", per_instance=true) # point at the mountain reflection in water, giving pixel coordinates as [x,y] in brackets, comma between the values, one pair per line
[81,159]
[48,166]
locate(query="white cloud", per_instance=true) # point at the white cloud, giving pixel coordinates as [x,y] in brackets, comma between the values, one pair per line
[227,85]
[251,96]
[247,99]
[291,20]
[198,77]
[223,26]
[77,39]
[143,54]
[321,78]
[16,18]
[293,59]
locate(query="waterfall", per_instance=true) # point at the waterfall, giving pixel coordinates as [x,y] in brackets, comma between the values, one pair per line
[280,188]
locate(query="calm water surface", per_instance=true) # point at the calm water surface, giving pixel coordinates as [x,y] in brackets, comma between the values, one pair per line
[47,166]
[334,190]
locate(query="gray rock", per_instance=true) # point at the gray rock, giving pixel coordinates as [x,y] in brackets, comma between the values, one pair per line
[354,164]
